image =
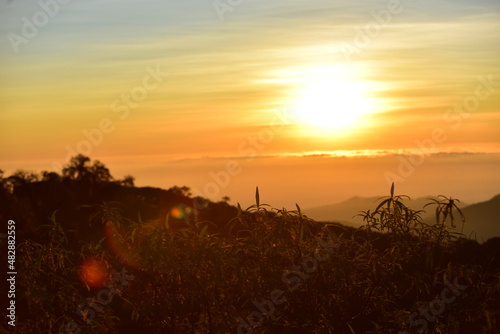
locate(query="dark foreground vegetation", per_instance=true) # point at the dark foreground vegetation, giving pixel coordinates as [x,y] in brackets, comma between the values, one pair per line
[98,255]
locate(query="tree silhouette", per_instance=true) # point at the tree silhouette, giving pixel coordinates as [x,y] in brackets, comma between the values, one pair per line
[19,178]
[24,176]
[100,173]
[127,181]
[181,191]
[80,169]
[50,176]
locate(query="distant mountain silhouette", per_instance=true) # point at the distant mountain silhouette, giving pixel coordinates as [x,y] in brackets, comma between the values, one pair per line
[184,259]
[344,211]
[482,219]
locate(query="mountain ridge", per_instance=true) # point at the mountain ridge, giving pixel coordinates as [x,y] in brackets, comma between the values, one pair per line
[482,218]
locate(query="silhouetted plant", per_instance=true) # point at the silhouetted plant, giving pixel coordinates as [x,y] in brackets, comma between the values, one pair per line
[46,279]
[193,278]
[444,209]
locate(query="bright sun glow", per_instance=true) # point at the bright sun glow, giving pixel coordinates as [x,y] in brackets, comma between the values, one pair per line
[334,99]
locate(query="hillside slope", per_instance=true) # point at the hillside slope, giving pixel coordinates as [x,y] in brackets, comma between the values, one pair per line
[482,219]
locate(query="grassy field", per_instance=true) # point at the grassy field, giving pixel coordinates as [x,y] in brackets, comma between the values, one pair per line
[253,270]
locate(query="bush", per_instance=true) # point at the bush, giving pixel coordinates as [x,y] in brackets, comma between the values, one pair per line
[269,271]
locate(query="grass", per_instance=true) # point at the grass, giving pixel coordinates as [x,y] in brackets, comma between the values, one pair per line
[195,279]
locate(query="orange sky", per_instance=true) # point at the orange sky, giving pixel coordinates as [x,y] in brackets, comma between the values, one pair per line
[143,87]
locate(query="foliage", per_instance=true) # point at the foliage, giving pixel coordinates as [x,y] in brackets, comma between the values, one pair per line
[80,169]
[197,277]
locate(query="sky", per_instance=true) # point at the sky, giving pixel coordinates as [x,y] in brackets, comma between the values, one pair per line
[314,102]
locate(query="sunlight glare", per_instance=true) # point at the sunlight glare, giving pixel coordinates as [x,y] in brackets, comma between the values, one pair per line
[334,99]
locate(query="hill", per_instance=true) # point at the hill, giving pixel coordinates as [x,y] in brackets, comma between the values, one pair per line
[99,255]
[482,219]
[85,197]
[343,212]
[346,211]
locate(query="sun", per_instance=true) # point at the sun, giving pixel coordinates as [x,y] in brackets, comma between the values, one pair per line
[334,100]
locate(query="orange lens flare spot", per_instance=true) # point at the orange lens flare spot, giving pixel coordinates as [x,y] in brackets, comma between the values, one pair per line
[177,213]
[180,213]
[94,273]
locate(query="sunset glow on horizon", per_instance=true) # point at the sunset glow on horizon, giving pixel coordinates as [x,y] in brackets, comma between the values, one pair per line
[171,92]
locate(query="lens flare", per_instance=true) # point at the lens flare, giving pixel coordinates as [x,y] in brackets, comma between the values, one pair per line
[177,213]
[180,213]
[94,273]
[117,246]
